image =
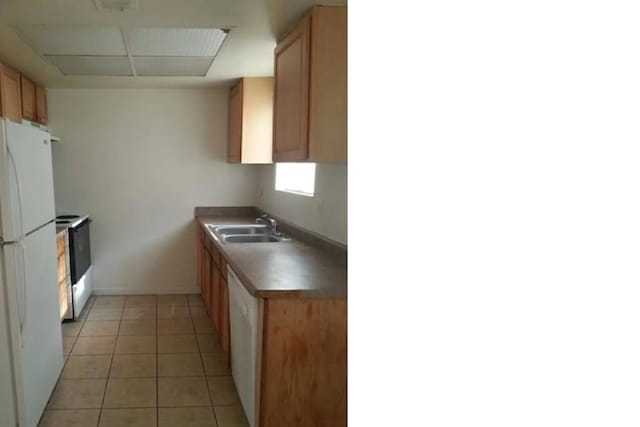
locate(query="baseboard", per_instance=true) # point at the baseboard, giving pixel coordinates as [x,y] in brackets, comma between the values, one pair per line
[146,291]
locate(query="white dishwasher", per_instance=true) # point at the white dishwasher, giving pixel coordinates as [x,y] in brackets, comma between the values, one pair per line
[243,317]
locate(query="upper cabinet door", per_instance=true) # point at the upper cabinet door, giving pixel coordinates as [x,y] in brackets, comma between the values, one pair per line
[10,97]
[42,115]
[28,98]
[234,146]
[328,85]
[251,121]
[310,113]
[291,105]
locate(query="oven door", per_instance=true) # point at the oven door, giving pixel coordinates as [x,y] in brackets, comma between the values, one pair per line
[80,250]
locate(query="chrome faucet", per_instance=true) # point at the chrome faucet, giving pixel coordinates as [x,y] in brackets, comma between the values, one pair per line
[270,222]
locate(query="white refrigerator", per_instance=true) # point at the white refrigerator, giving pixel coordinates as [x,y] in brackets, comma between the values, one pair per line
[31,355]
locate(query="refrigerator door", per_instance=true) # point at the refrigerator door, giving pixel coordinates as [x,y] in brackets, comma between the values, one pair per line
[8,401]
[40,349]
[28,202]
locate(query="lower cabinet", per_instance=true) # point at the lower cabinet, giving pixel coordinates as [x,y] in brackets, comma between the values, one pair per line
[212,274]
[301,361]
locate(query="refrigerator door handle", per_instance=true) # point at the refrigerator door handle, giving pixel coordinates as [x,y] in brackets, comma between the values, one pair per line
[18,187]
[21,290]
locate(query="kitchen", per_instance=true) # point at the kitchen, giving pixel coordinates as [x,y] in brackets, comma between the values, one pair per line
[159,133]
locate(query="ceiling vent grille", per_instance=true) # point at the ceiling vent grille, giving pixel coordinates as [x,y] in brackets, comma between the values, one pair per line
[120,5]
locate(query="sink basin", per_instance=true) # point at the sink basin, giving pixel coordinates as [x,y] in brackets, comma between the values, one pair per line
[246,233]
[249,238]
[227,230]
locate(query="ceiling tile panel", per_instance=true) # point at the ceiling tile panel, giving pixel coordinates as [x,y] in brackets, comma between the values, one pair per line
[92,65]
[172,66]
[175,41]
[63,40]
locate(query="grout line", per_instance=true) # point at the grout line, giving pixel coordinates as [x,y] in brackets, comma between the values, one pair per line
[113,352]
[206,378]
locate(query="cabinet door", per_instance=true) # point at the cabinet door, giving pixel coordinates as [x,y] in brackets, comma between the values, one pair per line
[234,144]
[215,299]
[28,98]
[198,258]
[328,85]
[42,115]
[224,335]
[10,98]
[206,291]
[201,257]
[291,111]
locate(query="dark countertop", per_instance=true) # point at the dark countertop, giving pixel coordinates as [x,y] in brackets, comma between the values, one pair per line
[282,269]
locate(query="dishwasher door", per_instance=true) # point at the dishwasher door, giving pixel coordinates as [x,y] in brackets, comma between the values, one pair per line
[243,317]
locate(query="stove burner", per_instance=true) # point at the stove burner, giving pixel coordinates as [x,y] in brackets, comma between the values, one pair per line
[67,216]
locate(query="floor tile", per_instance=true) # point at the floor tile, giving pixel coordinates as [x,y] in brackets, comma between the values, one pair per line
[136,345]
[230,416]
[172,299]
[77,394]
[130,393]
[140,417]
[109,299]
[199,312]
[109,303]
[71,329]
[182,391]
[93,345]
[133,366]
[99,328]
[175,326]
[180,365]
[215,364]
[203,325]
[137,327]
[67,344]
[87,367]
[177,344]
[223,391]
[105,314]
[195,300]
[174,311]
[70,418]
[186,417]
[140,300]
[139,312]
[208,343]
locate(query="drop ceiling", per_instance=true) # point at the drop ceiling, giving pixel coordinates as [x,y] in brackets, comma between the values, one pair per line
[145,53]
[109,51]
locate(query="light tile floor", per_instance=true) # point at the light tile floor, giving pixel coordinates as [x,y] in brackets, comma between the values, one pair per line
[143,361]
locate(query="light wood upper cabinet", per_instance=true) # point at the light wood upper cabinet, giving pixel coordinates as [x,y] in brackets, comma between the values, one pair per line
[310,107]
[42,115]
[290,137]
[251,121]
[28,98]
[10,97]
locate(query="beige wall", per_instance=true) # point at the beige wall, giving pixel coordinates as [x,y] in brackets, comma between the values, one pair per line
[138,162]
[326,213]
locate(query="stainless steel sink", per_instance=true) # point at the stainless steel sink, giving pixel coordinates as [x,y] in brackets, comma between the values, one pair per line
[246,233]
[250,238]
[240,229]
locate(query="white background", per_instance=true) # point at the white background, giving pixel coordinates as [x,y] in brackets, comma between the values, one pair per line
[494,148]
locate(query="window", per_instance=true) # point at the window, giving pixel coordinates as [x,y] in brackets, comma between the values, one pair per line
[297,178]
